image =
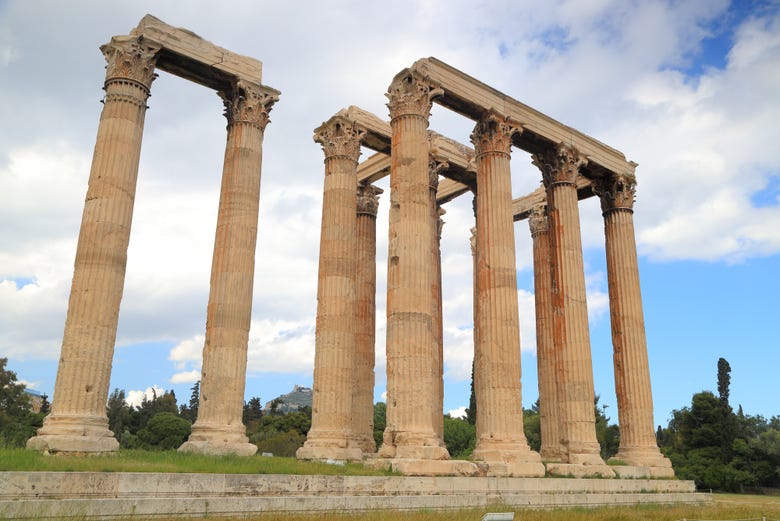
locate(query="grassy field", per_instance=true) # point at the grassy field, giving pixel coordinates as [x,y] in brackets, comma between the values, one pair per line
[725,507]
[172,461]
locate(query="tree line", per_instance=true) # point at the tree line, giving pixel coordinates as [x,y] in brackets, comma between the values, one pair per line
[707,441]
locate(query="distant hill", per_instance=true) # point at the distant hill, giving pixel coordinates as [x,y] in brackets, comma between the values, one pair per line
[292,401]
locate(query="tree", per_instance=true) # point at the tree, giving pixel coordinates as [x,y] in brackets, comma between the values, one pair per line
[608,435]
[253,414]
[17,421]
[380,422]
[459,437]
[724,380]
[471,412]
[14,402]
[121,416]
[190,411]
[164,431]
[45,405]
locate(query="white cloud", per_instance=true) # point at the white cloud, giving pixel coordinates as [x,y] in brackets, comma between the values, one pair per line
[135,398]
[460,412]
[186,377]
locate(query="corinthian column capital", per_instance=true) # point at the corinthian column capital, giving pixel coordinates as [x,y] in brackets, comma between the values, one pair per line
[368,199]
[247,102]
[616,192]
[411,94]
[435,166]
[537,221]
[130,58]
[493,133]
[559,164]
[340,137]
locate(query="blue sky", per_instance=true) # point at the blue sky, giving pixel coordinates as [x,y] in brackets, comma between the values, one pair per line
[689,90]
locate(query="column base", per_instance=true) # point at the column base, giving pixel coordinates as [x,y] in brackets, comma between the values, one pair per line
[424,467]
[70,433]
[642,463]
[218,441]
[412,446]
[324,453]
[324,445]
[509,459]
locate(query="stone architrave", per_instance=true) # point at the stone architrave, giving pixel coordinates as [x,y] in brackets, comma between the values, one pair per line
[560,167]
[219,428]
[365,317]
[438,325]
[78,421]
[638,445]
[411,340]
[546,356]
[501,442]
[331,435]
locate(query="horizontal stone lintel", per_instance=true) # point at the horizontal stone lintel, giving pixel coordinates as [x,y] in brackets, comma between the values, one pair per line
[471,98]
[189,56]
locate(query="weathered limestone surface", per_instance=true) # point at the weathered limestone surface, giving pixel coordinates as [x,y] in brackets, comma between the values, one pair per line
[438,326]
[411,344]
[78,421]
[560,166]
[472,98]
[365,317]
[546,356]
[189,56]
[219,428]
[331,435]
[113,495]
[638,444]
[501,442]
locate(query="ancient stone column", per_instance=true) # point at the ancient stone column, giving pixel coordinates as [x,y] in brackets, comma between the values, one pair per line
[411,341]
[331,435]
[546,358]
[78,421]
[560,167]
[501,442]
[365,317]
[438,326]
[638,445]
[219,428]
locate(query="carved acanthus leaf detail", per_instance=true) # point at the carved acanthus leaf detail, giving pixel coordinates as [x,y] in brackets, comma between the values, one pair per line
[559,164]
[411,94]
[248,103]
[340,137]
[537,220]
[493,133]
[130,57]
[617,191]
[368,199]
[435,166]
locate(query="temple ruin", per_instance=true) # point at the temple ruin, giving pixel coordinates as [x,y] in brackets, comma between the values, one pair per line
[573,166]
[78,421]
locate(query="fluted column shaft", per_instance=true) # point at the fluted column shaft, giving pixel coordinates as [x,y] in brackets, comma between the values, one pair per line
[638,445]
[438,325]
[560,167]
[546,356]
[500,435]
[411,343]
[78,421]
[219,428]
[365,318]
[331,433]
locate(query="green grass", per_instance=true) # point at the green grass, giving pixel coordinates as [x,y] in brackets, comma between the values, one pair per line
[172,461]
[724,507]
